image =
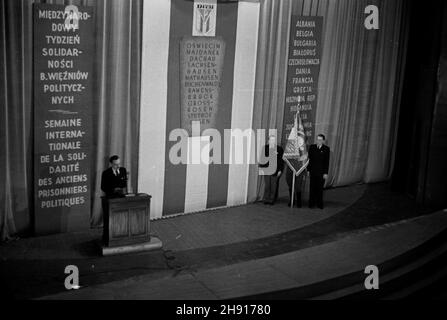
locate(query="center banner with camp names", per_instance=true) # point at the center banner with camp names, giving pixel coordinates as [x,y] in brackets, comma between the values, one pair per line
[64,45]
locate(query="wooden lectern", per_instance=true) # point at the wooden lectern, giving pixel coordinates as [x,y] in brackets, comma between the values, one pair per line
[127,225]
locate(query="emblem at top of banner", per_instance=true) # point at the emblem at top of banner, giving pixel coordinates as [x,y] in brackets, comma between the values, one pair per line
[204,18]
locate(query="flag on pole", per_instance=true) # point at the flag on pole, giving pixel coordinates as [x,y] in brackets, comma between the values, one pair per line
[295,153]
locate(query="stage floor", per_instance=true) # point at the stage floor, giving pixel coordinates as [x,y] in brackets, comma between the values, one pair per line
[34,267]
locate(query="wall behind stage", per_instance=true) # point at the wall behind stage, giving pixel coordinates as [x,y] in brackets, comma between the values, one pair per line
[359,87]
[116,101]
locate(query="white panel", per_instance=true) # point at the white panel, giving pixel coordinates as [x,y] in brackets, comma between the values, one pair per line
[196,192]
[243,93]
[154,73]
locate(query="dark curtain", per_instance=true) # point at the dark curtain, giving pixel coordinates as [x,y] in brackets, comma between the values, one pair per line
[115,106]
[359,87]
[421,166]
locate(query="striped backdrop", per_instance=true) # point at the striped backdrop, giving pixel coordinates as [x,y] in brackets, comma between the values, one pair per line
[178,189]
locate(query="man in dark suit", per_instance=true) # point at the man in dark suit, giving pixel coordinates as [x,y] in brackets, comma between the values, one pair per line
[114,179]
[272,180]
[318,168]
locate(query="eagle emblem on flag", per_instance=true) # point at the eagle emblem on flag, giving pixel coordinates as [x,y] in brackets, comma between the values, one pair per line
[295,153]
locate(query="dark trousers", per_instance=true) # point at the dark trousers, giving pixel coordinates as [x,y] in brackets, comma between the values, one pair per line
[316,191]
[271,188]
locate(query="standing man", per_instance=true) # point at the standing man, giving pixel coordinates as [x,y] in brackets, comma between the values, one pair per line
[318,169]
[114,179]
[272,181]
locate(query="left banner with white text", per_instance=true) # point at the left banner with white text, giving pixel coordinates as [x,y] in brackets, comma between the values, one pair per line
[64,51]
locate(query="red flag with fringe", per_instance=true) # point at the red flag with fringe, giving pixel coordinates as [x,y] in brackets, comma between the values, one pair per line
[295,153]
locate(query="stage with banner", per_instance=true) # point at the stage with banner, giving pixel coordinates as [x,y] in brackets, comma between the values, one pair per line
[207,54]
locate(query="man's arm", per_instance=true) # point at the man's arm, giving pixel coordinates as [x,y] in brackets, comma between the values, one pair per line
[124,174]
[125,177]
[263,156]
[104,182]
[326,161]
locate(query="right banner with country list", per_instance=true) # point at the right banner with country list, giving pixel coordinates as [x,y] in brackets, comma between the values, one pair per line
[303,70]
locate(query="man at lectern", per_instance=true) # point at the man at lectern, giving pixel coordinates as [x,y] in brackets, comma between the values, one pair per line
[114,179]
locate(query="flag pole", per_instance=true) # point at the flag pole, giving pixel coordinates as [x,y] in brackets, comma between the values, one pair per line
[293,190]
